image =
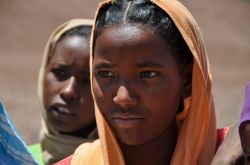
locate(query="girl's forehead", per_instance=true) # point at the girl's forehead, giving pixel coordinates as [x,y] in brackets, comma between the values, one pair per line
[129,40]
[126,28]
[119,37]
[127,31]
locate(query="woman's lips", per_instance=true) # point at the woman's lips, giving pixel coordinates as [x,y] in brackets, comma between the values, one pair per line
[64,110]
[62,114]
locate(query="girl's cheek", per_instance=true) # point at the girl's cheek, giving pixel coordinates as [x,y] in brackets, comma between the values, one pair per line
[98,93]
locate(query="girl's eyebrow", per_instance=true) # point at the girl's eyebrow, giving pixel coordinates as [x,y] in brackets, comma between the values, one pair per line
[140,65]
[104,65]
[149,64]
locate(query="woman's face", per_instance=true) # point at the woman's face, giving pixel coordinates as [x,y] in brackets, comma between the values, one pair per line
[67,97]
[137,83]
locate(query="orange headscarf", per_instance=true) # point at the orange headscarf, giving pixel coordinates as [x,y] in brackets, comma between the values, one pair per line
[197,135]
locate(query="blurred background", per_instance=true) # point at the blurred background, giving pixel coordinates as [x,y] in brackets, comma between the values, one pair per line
[26,25]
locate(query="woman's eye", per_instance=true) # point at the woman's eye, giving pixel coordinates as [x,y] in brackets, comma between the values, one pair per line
[60,74]
[148,74]
[106,74]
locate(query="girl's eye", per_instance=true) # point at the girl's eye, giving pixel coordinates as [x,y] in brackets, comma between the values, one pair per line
[148,74]
[60,74]
[106,74]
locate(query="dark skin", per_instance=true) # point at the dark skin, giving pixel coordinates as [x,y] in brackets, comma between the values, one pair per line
[245,140]
[138,87]
[67,97]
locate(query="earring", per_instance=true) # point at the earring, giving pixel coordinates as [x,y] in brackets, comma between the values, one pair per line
[183,114]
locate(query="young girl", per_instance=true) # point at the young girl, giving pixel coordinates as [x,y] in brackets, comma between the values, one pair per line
[152,88]
[64,90]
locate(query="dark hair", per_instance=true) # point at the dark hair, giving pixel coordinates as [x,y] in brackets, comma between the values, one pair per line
[144,12]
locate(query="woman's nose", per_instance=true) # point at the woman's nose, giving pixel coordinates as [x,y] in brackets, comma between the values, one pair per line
[123,98]
[69,91]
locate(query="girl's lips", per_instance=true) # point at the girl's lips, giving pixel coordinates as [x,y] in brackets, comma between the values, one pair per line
[126,116]
[126,120]
[127,123]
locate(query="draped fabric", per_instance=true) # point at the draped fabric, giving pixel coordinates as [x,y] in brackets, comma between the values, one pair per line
[197,135]
[13,149]
[56,145]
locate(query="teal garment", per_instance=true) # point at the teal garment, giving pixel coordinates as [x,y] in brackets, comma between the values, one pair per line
[13,150]
[36,151]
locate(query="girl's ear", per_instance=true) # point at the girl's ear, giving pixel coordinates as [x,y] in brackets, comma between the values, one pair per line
[187,81]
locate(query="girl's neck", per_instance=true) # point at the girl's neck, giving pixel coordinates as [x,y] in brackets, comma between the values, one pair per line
[158,151]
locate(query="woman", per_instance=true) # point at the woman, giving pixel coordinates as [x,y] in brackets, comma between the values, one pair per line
[64,90]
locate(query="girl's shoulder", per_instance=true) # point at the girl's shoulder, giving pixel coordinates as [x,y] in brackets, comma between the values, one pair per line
[87,153]
[228,148]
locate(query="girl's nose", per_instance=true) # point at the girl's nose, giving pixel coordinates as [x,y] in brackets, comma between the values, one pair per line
[69,91]
[124,99]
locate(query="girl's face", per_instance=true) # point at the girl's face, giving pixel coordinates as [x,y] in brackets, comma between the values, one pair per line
[137,83]
[67,97]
